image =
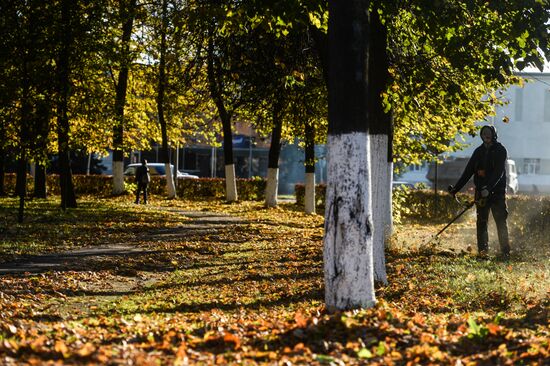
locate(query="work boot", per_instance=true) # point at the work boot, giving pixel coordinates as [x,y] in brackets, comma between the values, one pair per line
[505,256]
[483,254]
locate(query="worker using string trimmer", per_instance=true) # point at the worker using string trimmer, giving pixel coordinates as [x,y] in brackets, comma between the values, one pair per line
[487,165]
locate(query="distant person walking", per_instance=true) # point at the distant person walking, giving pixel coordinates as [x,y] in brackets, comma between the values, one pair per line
[142,179]
[487,165]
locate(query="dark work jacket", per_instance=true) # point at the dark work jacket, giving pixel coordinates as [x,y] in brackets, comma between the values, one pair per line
[487,165]
[142,174]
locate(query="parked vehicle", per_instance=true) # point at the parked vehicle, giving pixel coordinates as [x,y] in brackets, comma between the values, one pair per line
[449,171]
[157,169]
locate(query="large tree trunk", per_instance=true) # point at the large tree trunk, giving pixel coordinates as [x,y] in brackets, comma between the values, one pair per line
[271,189]
[127,7]
[309,198]
[380,130]
[348,261]
[215,90]
[380,204]
[170,187]
[2,169]
[68,198]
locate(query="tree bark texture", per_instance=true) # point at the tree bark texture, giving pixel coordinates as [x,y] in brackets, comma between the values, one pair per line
[68,198]
[272,187]
[230,183]
[309,198]
[381,154]
[21,185]
[127,7]
[2,172]
[380,204]
[216,87]
[170,187]
[348,261]
[24,137]
[273,159]
[349,281]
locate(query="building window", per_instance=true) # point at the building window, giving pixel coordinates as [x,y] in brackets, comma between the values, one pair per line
[418,167]
[547,106]
[531,166]
[518,113]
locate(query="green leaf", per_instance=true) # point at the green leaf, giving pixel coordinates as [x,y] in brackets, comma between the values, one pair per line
[364,353]
[324,359]
[381,349]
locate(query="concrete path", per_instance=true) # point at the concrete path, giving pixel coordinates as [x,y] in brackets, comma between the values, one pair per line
[80,259]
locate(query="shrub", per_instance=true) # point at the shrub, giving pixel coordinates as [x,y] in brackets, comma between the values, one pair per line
[193,189]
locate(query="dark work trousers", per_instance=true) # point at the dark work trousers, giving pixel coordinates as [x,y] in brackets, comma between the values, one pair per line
[140,187]
[496,204]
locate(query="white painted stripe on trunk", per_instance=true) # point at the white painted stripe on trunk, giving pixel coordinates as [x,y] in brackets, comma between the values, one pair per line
[118,177]
[309,198]
[389,214]
[170,186]
[230,183]
[271,188]
[348,262]
[380,188]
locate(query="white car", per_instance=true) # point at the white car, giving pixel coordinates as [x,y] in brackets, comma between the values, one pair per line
[156,169]
[511,177]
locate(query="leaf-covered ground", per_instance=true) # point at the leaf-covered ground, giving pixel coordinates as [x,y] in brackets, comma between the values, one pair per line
[179,282]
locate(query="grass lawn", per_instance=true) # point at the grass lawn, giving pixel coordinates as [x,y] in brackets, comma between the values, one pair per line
[214,283]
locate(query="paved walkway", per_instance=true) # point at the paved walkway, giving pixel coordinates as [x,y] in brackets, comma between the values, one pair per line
[80,259]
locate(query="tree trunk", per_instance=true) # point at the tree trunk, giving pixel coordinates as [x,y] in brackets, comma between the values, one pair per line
[40,190]
[68,198]
[24,140]
[348,261]
[273,158]
[309,199]
[215,90]
[41,119]
[170,187]
[380,130]
[320,40]
[2,169]
[128,9]
[21,185]
[380,204]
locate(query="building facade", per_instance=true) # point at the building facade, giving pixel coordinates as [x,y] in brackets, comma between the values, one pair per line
[523,127]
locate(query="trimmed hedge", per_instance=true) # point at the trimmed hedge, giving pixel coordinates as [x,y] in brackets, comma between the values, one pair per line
[192,189]
[530,214]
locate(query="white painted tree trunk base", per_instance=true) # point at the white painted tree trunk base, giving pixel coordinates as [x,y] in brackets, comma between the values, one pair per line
[118,177]
[309,198]
[348,261]
[389,214]
[272,187]
[381,190]
[230,183]
[170,186]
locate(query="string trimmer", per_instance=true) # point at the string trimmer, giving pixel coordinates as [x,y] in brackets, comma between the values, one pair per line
[467,206]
